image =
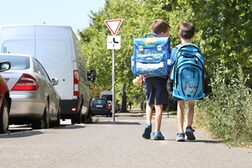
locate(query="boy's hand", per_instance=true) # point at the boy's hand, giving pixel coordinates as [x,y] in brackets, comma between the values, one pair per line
[138,81]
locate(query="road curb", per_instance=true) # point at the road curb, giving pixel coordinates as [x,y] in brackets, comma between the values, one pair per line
[139,114]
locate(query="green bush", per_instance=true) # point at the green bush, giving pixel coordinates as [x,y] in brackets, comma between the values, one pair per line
[227,112]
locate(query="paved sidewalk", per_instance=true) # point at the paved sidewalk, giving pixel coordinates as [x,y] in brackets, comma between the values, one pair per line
[123,147]
[119,144]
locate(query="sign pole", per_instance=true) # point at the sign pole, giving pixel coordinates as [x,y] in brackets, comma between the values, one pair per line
[113,85]
[113,43]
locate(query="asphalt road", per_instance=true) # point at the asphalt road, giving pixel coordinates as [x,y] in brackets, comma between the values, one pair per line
[105,144]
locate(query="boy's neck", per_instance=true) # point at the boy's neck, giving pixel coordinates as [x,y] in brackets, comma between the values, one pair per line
[184,41]
[163,34]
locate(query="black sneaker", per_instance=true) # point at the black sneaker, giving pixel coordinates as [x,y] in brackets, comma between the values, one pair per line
[180,137]
[147,132]
[190,133]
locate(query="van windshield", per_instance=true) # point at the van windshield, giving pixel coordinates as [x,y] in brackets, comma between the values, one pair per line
[17,62]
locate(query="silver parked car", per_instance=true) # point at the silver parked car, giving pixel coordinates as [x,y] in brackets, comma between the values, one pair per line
[34,99]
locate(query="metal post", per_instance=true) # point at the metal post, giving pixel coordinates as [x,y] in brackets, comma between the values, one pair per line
[113,85]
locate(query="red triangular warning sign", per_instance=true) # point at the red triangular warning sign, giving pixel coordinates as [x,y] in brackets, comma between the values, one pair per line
[113,25]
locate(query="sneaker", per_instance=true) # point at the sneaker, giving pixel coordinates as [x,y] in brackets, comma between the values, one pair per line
[158,136]
[147,132]
[190,133]
[180,137]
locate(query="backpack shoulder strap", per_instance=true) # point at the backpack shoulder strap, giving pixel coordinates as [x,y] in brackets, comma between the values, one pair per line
[190,45]
[178,47]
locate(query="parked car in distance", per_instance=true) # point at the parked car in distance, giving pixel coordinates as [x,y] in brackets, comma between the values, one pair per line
[107,94]
[34,98]
[5,100]
[101,106]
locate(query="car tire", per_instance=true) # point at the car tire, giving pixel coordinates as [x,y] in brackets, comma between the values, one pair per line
[76,119]
[46,117]
[56,124]
[44,122]
[87,118]
[4,117]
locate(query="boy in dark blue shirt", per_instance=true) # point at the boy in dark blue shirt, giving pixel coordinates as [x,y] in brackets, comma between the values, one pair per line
[156,91]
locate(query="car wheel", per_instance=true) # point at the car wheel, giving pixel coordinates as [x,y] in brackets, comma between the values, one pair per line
[76,119]
[4,117]
[46,117]
[87,118]
[44,122]
[56,123]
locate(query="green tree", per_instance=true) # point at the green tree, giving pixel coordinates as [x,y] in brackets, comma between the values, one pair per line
[136,23]
[223,32]
[226,32]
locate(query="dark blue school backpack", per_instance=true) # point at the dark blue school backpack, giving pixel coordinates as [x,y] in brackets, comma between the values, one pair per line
[188,73]
[151,53]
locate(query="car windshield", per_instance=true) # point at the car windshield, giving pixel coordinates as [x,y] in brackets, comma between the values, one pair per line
[17,62]
[108,97]
[100,101]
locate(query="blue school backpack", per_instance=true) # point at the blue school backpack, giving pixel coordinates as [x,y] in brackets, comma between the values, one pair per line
[151,53]
[188,73]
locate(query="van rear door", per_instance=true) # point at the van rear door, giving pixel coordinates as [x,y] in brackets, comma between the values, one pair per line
[54,51]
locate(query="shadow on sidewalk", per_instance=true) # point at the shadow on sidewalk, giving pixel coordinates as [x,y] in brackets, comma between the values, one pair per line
[206,141]
[20,134]
[67,126]
[117,123]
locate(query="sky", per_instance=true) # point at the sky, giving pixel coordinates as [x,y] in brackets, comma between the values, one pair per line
[72,13]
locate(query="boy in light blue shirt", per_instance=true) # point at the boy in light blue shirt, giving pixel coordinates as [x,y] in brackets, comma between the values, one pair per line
[186,34]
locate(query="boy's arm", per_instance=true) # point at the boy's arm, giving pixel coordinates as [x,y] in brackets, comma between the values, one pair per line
[172,60]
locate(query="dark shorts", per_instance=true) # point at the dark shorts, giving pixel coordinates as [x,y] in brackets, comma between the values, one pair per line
[156,90]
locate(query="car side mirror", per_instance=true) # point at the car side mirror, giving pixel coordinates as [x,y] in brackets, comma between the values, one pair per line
[54,81]
[4,66]
[91,75]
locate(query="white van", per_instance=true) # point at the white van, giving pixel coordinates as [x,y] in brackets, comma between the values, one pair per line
[57,48]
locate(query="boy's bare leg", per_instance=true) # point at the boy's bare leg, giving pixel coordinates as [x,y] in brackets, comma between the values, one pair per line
[190,113]
[149,112]
[189,131]
[147,130]
[158,117]
[180,115]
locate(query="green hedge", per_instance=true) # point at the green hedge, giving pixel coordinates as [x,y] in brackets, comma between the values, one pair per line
[227,111]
